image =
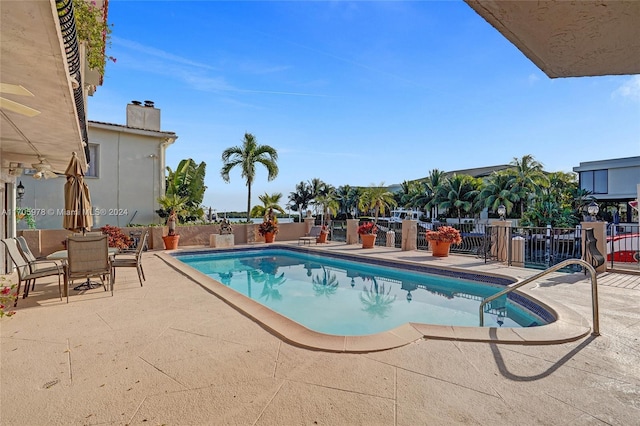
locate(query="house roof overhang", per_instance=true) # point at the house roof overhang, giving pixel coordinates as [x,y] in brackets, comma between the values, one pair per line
[32,55]
[570,38]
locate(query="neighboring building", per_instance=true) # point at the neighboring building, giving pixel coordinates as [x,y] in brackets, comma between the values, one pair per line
[125,176]
[613,183]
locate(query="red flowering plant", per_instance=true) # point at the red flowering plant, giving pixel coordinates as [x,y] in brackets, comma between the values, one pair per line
[446,234]
[116,237]
[367,228]
[7,298]
[267,226]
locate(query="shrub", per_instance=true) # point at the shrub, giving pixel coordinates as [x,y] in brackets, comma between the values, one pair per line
[367,228]
[116,237]
[445,234]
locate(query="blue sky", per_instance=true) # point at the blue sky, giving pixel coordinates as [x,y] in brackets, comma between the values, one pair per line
[357,93]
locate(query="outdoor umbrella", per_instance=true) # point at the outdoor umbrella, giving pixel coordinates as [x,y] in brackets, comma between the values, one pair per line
[77,203]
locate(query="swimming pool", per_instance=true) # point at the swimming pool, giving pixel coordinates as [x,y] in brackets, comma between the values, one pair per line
[338,296]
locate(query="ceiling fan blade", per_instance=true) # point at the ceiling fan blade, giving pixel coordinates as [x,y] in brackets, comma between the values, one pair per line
[48,174]
[14,89]
[19,108]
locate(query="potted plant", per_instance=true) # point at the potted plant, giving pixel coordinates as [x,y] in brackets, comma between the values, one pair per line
[268,229]
[368,232]
[441,239]
[175,205]
[322,237]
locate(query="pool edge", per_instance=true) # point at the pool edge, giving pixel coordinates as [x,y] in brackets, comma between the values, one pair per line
[569,325]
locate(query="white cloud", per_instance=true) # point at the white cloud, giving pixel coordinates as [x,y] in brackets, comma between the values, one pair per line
[533,79]
[629,89]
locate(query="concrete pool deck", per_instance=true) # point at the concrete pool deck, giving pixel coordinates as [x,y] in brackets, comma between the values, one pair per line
[172,353]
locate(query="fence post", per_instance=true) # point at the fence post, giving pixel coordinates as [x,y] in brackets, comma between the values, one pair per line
[352,231]
[409,235]
[502,240]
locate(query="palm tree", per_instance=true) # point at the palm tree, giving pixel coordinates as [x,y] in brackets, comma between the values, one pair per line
[246,156]
[269,202]
[329,204]
[300,198]
[497,191]
[459,195]
[433,187]
[526,178]
[377,198]
[347,199]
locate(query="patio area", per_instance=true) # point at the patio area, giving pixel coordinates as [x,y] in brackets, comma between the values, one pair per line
[173,353]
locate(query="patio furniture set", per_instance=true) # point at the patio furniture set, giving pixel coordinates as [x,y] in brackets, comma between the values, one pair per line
[87,256]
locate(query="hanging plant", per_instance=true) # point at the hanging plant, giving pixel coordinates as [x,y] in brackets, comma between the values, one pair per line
[93,29]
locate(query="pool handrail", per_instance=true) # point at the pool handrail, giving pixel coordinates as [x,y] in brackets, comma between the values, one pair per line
[554,268]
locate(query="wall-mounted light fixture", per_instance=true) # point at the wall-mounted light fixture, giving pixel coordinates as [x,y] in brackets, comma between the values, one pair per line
[20,191]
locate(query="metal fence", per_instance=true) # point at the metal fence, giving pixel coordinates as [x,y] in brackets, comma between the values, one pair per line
[623,246]
[543,247]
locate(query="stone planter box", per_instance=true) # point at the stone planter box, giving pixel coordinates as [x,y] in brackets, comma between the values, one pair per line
[221,241]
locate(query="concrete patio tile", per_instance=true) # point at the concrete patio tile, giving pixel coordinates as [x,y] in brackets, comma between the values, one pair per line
[349,372]
[307,404]
[171,352]
[426,400]
[440,360]
[238,403]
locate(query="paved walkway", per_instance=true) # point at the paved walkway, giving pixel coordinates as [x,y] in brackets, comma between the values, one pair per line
[171,353]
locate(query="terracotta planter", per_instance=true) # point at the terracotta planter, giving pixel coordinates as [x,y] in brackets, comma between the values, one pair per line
[322,238]
[171,242]
[269,237]
[368,240]
[439,248]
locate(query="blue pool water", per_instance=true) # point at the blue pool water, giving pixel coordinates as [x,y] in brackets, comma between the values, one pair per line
[344,297]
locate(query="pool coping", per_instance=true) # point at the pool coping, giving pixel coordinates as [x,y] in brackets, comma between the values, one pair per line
[569,325]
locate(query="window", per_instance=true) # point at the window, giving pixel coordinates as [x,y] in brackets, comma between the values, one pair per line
[596,181]
[93,169]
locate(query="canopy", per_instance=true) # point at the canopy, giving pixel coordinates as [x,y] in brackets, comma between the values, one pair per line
[77,203]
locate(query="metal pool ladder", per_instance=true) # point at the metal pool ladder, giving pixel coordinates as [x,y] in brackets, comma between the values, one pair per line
[554,268]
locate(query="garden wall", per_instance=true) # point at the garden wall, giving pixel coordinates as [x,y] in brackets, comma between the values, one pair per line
[43,242]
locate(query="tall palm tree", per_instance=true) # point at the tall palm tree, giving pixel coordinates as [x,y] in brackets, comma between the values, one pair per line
[246,156]
[268,202]
[300,198]
[526,178]
[378,199]
[329,204]
[347,197]
[460,195]
[434,193]
[497,191]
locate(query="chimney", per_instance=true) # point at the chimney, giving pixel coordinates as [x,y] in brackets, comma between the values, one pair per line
[145,117]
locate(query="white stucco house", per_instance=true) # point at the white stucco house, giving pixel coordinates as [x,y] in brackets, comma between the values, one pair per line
[126,174]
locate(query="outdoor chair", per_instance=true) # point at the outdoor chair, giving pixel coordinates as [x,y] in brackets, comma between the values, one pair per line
[312,236]
[131,259]
[88,257]
[29,272]
[29,257]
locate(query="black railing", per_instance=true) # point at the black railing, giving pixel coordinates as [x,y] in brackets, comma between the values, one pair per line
[533,247]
